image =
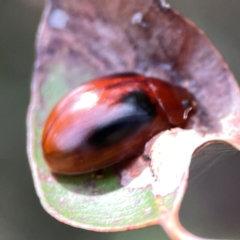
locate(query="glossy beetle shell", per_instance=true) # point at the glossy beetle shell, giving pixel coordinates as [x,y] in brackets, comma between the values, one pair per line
[110,119]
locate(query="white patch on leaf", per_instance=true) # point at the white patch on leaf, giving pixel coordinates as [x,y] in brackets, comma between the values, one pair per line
[58,19]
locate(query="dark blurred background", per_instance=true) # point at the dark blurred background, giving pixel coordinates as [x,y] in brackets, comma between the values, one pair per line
[211,206]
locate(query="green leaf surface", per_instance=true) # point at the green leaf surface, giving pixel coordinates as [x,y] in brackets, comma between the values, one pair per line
[87,201]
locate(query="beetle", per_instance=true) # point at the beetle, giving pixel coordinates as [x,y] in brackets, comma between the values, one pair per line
[110,119]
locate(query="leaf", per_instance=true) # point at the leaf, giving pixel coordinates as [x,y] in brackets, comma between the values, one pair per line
[79,40]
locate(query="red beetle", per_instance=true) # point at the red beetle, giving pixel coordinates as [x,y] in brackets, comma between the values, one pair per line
[110,119]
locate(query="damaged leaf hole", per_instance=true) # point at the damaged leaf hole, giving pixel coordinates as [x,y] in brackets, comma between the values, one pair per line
[209,208]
